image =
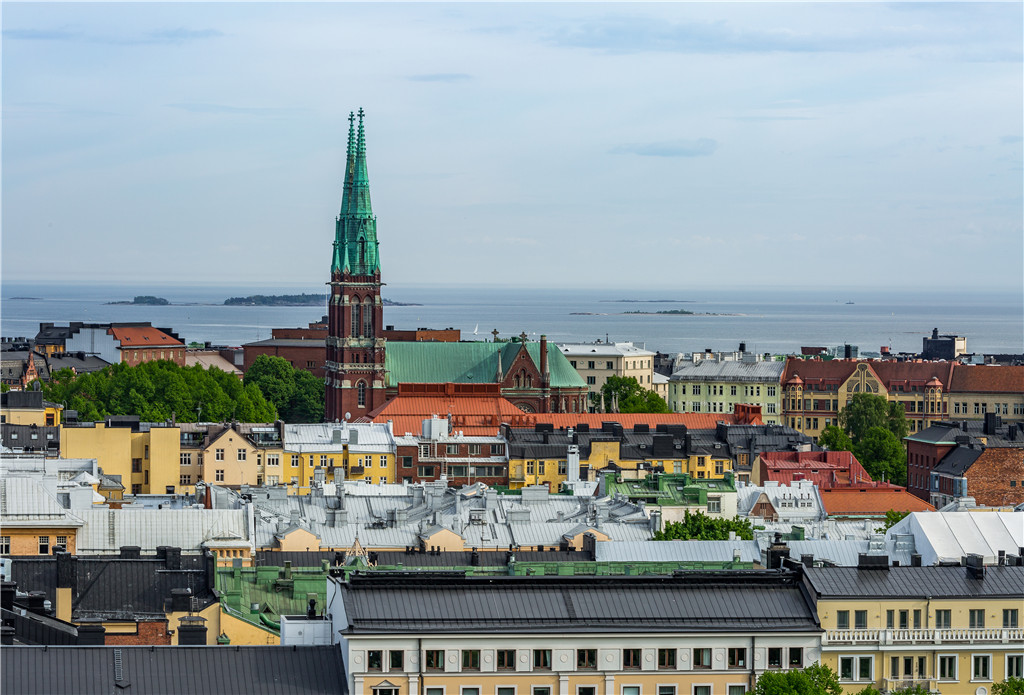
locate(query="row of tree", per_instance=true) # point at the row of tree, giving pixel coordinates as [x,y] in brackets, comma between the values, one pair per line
[161,390]
[701,527]
[819,679]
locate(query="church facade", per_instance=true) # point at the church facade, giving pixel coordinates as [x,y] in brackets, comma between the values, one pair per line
[363,369]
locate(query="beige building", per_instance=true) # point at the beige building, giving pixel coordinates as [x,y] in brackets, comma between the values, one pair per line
[595,362]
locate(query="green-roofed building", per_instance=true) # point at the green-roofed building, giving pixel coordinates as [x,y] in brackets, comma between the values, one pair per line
[535,376]
[672,494]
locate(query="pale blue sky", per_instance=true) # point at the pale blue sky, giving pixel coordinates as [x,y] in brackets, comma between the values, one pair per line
[678,145]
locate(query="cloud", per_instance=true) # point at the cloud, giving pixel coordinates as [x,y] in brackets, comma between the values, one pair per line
[233,110]
[441,77]
[177,35]
[673,148]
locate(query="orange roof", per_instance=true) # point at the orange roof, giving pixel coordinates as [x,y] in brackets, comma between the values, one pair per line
[142,336]
[873,500]
[693,421]
[474,409]
[826,469]
[916,371]
[980,378]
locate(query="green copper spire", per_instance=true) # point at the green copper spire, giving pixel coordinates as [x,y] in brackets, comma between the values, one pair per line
[355,237]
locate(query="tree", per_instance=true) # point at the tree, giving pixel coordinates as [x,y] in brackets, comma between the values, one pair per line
[915,689]
[867,410]
[835,439]
[1011,686]
[297,394]
[631,397]
[816,679]
[699,526]
[892,518]
[882,455]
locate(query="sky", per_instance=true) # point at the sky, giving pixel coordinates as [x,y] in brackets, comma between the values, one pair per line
[677,145]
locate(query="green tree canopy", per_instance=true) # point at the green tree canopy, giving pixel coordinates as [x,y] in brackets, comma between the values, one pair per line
[699,526]
[915,689]
[631,397]
[813,680]
[867,410]
[835,439]
[1011,686]
[876,428]
[297,394]
[882,455]
[156,391]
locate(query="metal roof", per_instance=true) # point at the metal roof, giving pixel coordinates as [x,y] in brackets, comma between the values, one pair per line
[948,536]
[677,551]
[470,363]
[701,602]
[915,582]
[604,350]
[184,670]
[106,530]
[712,370]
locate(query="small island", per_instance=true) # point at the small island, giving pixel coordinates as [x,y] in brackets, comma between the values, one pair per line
[148,300]
[292,300]
[673,312]
[647,301]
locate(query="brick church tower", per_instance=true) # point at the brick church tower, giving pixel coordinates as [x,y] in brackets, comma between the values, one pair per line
[355,348]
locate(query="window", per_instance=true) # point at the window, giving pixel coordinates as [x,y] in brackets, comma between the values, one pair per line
[542,659]
[396,659]
[631,690]
[774,657]
[505,690]
[220,475]
[273,460]
[590,364]
[377,690]
[425,471]
[737,690]
[185,459]
[943,619]
[184,480]
[796,657]
[470,691]
[586,658]
[563,468]
[451,449]
[714,506]
[666,690]
[666,658]
[890,620]
[407,462]
[474,449]
[218,454]
[506,659]
[591,380]
[702,690]
[361,393]
[136,465]
[860,620]
[1014,666]
[630,658]
[541,690]
[5,545]
[470,659]
[842,620]
[586,690]
[1009,617]
[295,461]
[136,488]
[424,450]
[702,657]
[977,618]
[947,667]
[904,620]
[856,668]
[434,659]
[44,545]
[737,657]
[375,660]
[981,667]
[917,618]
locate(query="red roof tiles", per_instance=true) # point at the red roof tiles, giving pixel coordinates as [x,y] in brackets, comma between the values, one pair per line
[826,469]
[987,378]
[875,500]
[142,336]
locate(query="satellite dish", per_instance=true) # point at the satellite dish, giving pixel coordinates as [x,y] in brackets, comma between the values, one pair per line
[348,416]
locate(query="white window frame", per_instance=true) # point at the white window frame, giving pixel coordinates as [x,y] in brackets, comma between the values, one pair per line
[659,686]
[709,686]
[956,667]
[856,668]
[746,689]
[639,688]
[463,688]
[974,676]
[1006,666]
[515,688]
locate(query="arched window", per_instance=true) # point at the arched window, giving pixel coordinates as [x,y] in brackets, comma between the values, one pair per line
[361,390]
[355,317]
[368,317]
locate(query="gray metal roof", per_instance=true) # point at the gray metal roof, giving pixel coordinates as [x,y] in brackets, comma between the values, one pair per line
[677,551]
[711,370]
[915,582]
[183,670]
[106,530]
[702,602]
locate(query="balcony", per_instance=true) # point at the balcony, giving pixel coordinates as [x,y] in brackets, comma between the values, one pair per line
[930,637]
[894,684]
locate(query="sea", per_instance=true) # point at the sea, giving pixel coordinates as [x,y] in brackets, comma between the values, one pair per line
[773,320]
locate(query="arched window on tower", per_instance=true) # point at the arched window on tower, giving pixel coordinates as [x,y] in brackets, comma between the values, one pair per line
[355,317]
[368,317]
[361,391]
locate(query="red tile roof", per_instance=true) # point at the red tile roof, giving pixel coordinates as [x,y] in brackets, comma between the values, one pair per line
[826,469]
[915,372]
[982,378]
[142,336]
[875,500]
[816,370]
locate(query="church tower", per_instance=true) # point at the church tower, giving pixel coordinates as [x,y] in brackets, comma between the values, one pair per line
[355,350]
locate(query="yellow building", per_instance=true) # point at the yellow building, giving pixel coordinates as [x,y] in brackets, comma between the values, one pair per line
[954,630]
[595,362]
[144,455]
[345,451]
[28,408]
[704,634]
[32,521]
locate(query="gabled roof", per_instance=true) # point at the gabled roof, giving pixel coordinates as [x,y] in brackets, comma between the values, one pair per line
[470,363]
[186,670]
[957,461]
[713,370]
[818,369]
[862,500]
[987,379]
[915,582]
[475,409]
[918,373]
[142,336]
[948,536]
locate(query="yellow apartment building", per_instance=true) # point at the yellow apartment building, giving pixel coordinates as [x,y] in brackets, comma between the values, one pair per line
[28,408]
[595,362]
[954,630]
[145,455]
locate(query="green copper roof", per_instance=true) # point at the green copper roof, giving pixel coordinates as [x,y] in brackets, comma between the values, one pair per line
[469,363]
[670,489]
[355,233]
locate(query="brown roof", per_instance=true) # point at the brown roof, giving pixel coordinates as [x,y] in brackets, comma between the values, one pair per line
[872,500]
[818,369]
[142,336]
[987,379]
[919,373]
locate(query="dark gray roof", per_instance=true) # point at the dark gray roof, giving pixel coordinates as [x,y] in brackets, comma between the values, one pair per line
[957,461]
[21,437]
[703,602]
[107,587]
[946,433]
[446,559]
[182,670]
[917,582]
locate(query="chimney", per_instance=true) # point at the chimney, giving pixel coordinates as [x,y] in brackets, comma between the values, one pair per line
[131,552]
[181,600]
[172,559]
[91,635]
[67,580]
[331,517]
[192,631]
[975,566]
[543,357]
